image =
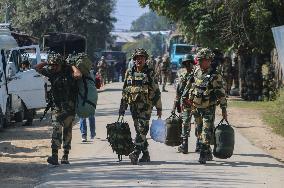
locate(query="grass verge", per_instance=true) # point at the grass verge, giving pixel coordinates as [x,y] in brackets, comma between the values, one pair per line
[272,111]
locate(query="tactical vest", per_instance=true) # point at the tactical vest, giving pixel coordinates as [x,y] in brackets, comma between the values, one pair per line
[137,87]
[202,91]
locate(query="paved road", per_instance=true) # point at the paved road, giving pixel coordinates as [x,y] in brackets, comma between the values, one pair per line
[95,165]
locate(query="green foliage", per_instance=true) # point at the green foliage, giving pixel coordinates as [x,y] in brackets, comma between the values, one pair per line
[150,22]
[91,18]
[245,25]
[153,45]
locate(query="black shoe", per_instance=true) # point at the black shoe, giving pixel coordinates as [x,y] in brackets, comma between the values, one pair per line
[145,158]
[53,160]
[202,157]
[65,160]
[134,158]
[209,156]
[164,90]
[183,149]
[28,123]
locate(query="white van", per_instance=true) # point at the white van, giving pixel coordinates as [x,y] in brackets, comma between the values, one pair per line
[20,91]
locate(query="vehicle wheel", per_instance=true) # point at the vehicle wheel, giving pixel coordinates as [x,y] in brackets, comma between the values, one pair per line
[7,118]
[19,116]
[2,120]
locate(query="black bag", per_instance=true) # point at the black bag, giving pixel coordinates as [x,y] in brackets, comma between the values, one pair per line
[119,137]
[173,126]
[224,140]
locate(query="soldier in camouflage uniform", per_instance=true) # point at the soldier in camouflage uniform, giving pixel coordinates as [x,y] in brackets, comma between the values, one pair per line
[102,69]
[185,83]
[165,69]
[158,69]
[206,93]
[63,99]
[141,93]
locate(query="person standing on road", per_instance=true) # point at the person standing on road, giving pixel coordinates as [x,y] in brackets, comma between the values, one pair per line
[102,69]
[165,69]
[92,122]
[186,81]
[63,99]
[141,92]
[207,92]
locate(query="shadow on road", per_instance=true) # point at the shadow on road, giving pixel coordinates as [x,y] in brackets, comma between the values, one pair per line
[107,170]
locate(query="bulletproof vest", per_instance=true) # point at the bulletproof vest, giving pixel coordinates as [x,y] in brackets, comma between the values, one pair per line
[137,87]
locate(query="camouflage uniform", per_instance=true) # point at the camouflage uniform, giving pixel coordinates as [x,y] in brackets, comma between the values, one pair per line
[102,69]
[206,93]
[141,93]
[227,73]
[185,83]
[165,69]
[63,98]
[158,69]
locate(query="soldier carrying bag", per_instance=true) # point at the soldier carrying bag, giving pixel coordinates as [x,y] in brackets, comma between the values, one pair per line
[224,140]
[119,138]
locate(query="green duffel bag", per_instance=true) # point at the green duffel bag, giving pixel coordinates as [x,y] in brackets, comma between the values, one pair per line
[83,63]
[87,97]
[224,140]
[173,130]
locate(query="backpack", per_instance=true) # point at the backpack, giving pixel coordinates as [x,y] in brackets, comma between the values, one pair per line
[119,138]
[87,97]
[83,63]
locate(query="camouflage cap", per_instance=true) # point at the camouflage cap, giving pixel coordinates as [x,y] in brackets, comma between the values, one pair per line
[54,58]
[140,52]
[204,53]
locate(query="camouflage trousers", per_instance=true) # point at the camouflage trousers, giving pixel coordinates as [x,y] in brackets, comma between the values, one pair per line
[186,120]
[141,128]
[204,119]
[62,123]
[165,76]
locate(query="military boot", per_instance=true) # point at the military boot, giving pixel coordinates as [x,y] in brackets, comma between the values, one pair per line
[202,157]
[198,145]
[145,157]
[209,156]
[183,148]
[64,159]
[54,157]
[134,158]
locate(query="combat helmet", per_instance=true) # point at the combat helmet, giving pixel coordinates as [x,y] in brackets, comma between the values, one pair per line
[140,52]
[205,53]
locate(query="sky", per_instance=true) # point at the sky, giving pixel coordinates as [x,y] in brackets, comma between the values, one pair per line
[127,11]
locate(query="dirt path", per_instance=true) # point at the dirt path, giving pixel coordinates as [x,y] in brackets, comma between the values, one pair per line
[23,150]
[249,123]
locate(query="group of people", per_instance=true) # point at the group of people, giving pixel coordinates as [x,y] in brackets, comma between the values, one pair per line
[199,91]
[110,72]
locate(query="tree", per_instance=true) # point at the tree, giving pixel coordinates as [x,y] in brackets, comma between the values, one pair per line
[244,26]
[91,18]
[150,22]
